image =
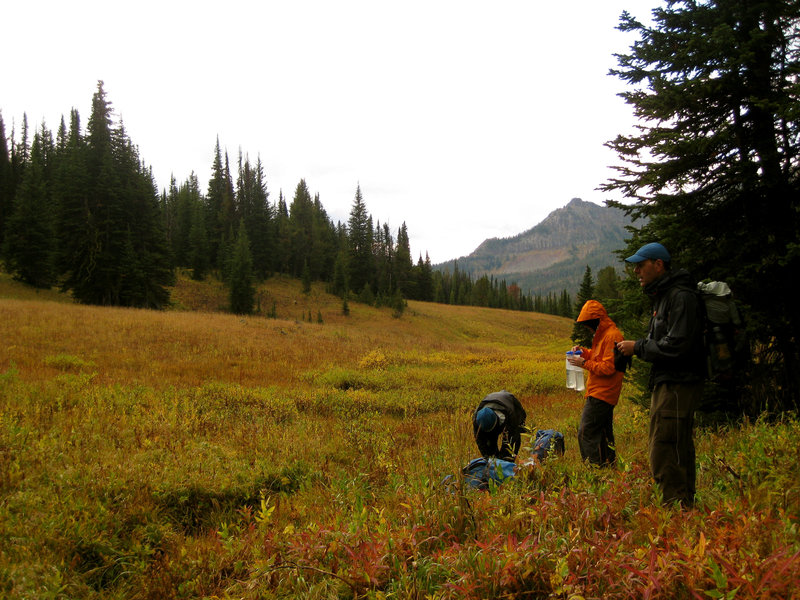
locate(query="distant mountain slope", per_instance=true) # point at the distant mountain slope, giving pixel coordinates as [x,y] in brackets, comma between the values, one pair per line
[552,255]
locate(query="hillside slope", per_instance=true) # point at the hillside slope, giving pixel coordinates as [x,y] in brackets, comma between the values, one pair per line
[196,342]
[554,254]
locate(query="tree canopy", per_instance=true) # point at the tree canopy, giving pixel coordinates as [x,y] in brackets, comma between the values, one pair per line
[83,213]
[712,169]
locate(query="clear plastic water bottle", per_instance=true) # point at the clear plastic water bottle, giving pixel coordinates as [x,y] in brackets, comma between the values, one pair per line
[574,373]
[570,378]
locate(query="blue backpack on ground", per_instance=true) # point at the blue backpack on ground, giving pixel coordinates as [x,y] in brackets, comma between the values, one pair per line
[480,471]
[547,441]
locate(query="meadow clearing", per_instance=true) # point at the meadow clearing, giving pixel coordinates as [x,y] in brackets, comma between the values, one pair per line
[196,454]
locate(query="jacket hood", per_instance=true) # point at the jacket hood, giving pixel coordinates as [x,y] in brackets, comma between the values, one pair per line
[593,310]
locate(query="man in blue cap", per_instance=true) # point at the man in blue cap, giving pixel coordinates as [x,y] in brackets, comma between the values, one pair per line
[497,425]
[674,347]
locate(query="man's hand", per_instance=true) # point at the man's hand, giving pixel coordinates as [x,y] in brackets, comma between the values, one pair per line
[626,347]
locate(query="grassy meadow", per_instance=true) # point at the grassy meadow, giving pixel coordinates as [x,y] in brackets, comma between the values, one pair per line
[196,454]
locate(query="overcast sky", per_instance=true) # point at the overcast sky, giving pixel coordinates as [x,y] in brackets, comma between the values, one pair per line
[466,120]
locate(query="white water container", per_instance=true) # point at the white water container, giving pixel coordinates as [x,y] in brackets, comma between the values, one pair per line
[574,373]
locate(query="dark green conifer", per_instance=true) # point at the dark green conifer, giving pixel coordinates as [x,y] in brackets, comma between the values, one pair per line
[580,333]
[6,187]
[115,248]
[712,167]
[29,246]
[199,247]
[242,291]
[360,235]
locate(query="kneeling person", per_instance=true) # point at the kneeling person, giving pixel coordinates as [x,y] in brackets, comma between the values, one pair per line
[498,424]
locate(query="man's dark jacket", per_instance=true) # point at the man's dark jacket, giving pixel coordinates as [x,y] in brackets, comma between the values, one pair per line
[674,342]
[514,424]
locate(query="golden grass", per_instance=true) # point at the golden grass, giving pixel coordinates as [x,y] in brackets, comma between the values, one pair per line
[187,348]
[193,453]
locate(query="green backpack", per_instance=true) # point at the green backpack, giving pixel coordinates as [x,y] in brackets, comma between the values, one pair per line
[726,343]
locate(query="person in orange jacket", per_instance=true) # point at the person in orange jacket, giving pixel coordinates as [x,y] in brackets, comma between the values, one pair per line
[603,386]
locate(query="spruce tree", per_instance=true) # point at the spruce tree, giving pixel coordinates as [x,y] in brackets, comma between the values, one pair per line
[146,284]
[403,267]
[384,257]
[324,243]
[199,248]
[95,226]
[425,282]
[283,250]
[361,260]
[115,248]
[253,199]
[580,333]
[29,245]
[607,288]
[6,180]
[301,218]
[711,168]
[339,284]
[220,207]
[76,233]
[242,291]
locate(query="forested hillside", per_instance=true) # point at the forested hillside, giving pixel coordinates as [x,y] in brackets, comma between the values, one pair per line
[552,255]
[79,209]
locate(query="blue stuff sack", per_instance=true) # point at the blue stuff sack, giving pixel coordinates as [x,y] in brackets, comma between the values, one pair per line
[547,441]
[480,471]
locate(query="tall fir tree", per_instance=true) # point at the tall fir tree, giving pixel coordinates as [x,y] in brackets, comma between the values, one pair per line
[424,278]
[403,267]
[75,214]
[242,291]
[29,246]
[115,248]
[199,248]
[712,168]
[383,252]
[151,272]
[607,288]
[220,207]
[324,246]
[253,199]
[360,235]
[580,334]
[282,230]
[301,226]
[6,179]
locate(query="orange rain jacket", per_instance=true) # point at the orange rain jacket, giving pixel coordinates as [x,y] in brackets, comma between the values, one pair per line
[604,381]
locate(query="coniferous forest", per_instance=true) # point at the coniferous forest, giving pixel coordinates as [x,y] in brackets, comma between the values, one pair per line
[80,209]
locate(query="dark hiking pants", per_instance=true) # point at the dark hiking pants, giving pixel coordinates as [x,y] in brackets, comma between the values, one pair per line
[596,432]
[672,456]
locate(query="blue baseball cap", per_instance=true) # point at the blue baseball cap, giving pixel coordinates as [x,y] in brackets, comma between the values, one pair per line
[653,251]
[485,419]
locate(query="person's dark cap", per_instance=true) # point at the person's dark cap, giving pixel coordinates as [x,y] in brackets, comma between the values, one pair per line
[652,251]
[485,419]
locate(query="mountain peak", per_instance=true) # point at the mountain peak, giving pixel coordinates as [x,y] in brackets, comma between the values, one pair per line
[552,255]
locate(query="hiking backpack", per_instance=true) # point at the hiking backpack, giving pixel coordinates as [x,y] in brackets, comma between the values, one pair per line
[725,341]
[480,471]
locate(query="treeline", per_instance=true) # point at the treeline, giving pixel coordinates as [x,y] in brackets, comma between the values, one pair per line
[460,287]
[79,209]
